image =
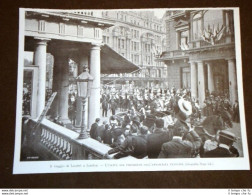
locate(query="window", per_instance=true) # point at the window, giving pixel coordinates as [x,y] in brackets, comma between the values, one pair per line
[186,78]
[104,39]
[196,26]
[213,18]
[119,43]
[122,43]
[183,40]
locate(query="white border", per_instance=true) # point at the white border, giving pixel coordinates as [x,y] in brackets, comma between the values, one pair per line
[241,163]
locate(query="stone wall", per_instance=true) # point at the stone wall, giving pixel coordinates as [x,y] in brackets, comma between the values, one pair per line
[174,73]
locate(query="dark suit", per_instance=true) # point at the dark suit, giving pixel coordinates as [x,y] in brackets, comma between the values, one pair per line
[178,148]
[221,152]
[93,131]
[132,145]
[155,141]
[100,132]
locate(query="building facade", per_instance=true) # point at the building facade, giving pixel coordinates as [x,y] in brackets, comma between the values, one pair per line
[140,38]
[57,45]
[200,53]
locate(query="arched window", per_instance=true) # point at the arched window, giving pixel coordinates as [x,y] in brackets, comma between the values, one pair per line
[196,26]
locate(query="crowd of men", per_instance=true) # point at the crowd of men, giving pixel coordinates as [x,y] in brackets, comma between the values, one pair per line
[142,130]
[142,99]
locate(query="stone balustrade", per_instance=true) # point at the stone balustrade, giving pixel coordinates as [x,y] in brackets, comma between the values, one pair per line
[63,144]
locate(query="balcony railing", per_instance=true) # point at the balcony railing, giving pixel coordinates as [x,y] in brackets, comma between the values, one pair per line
[63,144]
[196,44]
[175,54]
[201,43]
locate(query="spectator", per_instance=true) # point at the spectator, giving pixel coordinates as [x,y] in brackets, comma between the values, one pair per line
[236,117]
[107,139]
[93,130]
[155,140]
[132,145]
[105,108]
[100,131]
[225,146]
[179,147]
[118,137]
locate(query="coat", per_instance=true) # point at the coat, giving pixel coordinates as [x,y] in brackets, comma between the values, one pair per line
[221,151]
[93,131]
[107,139]
[100,132]
[135,146]
[179,148]
[155,142]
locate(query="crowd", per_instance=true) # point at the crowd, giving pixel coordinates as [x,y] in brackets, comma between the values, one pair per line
[143,132]
[141,99]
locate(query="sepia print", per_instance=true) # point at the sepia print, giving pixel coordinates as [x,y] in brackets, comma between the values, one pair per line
[130,90]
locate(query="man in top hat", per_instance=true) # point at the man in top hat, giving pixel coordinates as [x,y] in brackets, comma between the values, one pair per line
[185,141]
[225,146]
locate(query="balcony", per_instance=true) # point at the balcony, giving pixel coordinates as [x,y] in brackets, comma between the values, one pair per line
[53,142]
[194,46]
[176,54]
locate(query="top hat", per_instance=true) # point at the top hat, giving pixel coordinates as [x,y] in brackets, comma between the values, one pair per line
[185,109]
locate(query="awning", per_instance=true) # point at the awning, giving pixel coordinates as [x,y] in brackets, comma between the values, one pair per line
[114,63]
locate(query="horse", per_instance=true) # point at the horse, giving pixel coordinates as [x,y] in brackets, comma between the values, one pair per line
[218,122]
[209,128]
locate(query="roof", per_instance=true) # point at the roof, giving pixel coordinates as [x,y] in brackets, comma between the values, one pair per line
[113,63]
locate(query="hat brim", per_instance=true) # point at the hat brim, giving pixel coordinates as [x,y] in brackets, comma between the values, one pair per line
[186,111]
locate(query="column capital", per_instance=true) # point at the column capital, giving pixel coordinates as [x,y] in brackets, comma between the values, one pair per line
[230,59]
[41,41]
[199,61]
[96,46]
[208,62]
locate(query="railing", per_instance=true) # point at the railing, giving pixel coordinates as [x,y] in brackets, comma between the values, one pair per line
[175,53]
[201,43]
[63,144]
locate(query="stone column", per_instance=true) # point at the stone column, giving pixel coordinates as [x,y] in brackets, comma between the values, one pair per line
[56,87]
[210,77]
[40,61]
[232,81]
[95,71]
[193,80]
[201,82]
[62,64]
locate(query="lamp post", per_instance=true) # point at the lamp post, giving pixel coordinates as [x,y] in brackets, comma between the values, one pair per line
[84,83]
